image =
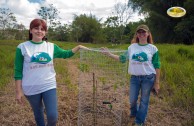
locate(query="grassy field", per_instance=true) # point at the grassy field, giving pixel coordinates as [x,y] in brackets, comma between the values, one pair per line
[177,68]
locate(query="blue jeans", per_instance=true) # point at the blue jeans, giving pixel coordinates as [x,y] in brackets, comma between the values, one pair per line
[49,98]
[145,84]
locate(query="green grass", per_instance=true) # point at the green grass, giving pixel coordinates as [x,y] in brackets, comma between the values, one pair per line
[6,64]
[177,78]
[177,69]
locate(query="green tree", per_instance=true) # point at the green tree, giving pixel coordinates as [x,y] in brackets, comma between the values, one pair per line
[49,14]
[7,18]
[111,29]
[123,14]
[164,27]
[21,33]
[86,29]
[7,23]
[61,32]
[185,28]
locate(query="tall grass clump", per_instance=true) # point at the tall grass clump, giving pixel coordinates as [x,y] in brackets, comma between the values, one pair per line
[7,63]
[62,71]
[186,52]
[177,75]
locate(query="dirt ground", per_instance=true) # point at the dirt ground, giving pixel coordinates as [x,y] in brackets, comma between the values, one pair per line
[12,114]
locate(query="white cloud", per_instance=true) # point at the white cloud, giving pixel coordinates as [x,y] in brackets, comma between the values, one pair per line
[22,9]
[25,11]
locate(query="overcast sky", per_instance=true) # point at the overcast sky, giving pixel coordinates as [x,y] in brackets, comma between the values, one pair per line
[26,10]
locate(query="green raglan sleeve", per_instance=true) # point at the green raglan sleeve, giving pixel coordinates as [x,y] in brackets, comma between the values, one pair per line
[18,65]
[156,60]
[61,53]
[123,57]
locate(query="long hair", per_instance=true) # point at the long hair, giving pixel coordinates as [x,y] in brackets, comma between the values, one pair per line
[136,39]
[35,23]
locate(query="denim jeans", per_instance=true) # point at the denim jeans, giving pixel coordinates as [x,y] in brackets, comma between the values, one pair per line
[47,99]
[145,84]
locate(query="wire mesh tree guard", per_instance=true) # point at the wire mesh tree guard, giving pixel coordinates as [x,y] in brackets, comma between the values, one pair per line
[101,84]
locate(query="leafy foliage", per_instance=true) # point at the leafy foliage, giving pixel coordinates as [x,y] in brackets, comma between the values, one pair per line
[50,14]
[7,18]
[163,27]
[86,29]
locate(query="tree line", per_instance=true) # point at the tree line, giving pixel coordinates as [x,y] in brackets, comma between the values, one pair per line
[115,29]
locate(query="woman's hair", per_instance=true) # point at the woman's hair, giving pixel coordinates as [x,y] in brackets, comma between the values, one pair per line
[136,39]
[35,23]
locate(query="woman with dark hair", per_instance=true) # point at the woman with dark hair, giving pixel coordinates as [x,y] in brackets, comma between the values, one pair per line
[144,68]
[35,75]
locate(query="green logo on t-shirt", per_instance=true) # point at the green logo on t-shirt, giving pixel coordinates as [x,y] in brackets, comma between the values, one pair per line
[141,57]
[41,57]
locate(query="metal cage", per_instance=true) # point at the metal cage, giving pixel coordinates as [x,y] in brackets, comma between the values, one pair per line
[101,84]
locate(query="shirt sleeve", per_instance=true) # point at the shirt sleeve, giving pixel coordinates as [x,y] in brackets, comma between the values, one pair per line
[18,65]
[156,60]
[61,53]
[124,57]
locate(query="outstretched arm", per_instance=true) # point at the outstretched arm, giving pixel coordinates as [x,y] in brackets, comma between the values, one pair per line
[108,53]
[77,48]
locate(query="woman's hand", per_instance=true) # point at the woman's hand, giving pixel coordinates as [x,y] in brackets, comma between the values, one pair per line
[19,92]
[156,87]
[20,97]
[77,48]
[105,51]
[157,82]
[83,47]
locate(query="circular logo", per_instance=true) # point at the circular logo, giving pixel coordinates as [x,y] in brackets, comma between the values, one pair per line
[176,12]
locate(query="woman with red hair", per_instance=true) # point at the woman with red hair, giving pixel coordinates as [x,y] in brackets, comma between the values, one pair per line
[35,75]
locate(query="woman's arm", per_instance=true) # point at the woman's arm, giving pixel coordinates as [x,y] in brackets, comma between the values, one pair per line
[77,48]
[108,53]
[61,53]
[157,81]
[18,69]
[19,92]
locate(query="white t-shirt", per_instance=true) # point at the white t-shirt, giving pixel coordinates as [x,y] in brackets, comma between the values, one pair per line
[38,70]
[141,59]
[34,65]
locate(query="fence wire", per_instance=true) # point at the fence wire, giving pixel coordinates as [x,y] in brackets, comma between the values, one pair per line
[101,84]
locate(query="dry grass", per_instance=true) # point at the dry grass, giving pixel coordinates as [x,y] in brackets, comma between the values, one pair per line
[160,113]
